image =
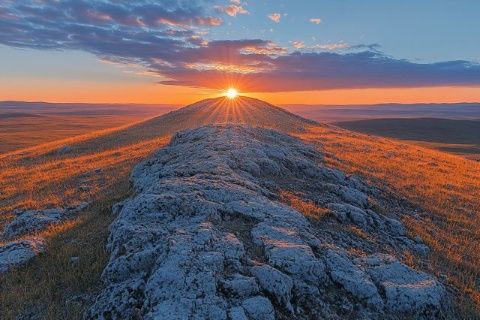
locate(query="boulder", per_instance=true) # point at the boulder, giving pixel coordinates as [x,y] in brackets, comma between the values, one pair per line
[406,289]
[259,308]
[353,279]
[275,283]
[30,221]
[16,253]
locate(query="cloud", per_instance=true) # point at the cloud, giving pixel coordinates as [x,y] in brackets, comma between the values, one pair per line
[299,71]
[232,10]
[298,44]
[168,38]
[332,46]
[326,46]
[275,17]
[316,20]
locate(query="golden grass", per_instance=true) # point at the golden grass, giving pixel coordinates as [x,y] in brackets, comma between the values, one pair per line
[446,187]
[358,232]
[48,284]
[307,207]
[39,177]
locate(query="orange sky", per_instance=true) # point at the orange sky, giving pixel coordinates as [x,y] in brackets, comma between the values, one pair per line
[149,92]
[63,77]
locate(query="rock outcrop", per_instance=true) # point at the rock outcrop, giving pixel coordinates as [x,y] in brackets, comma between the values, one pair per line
[25,223]
[19,252]
[30,221]
[207,237]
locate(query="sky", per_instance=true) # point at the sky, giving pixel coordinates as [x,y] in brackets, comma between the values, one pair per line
[284,51]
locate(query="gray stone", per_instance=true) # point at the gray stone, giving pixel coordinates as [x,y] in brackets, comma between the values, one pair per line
[241,286]
[352,279]
[259,308]
[19,252]
[205,227]
[276,283]
[237,313]
[406,290]
[30,221]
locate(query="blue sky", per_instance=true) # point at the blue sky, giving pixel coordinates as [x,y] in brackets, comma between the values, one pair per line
[421,30]
[261,46]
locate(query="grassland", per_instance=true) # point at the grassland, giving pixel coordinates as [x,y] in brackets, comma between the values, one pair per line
[38,177]
[24,125]
[460,137]
[443,189]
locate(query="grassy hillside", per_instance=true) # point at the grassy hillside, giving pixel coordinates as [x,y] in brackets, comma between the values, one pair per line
[460,137]
[442,187]
[23,125]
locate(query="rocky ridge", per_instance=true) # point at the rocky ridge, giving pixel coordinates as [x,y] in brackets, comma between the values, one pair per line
[207,237]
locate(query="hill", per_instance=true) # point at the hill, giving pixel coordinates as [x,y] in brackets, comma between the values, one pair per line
[338,113]
[95,168]
[460,137]
[26,124]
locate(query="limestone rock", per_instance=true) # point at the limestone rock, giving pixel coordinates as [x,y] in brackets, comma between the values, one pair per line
[353,279]
[19,252]
[30,221]
[206,236]
[259,308]
[406,290]
[276,283]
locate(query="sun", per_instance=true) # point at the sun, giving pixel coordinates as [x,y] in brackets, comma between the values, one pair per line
[231,93]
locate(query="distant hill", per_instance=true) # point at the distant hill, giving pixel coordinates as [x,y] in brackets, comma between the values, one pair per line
[335,113]
[456,136]
[26,124]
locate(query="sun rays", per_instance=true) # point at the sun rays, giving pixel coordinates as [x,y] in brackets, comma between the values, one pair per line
[231,93]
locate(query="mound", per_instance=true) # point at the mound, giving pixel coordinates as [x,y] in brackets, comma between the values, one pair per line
[424,188]
[240,110]
[206,236]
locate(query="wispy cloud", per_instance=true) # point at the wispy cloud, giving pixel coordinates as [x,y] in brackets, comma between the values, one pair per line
[326,46]
[316,20]
[298,44]
[233,9]
[275,17]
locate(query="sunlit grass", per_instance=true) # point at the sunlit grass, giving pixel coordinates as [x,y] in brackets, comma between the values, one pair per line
[446,187]
[307,207]
[39,177]
[443,185]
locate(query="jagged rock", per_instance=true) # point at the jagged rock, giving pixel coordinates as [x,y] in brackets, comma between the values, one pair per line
[206,227]
[276,283]
[406,290]
[259,308]
[19,252]
[31,221]
[353,279]
[241,286]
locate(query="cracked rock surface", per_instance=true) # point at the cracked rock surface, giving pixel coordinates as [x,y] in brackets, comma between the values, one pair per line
[19,252]
[207,237]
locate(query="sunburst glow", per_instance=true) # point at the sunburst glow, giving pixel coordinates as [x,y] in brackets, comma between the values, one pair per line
[231,93]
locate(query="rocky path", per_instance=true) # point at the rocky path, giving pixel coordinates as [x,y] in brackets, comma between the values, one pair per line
[206,237]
